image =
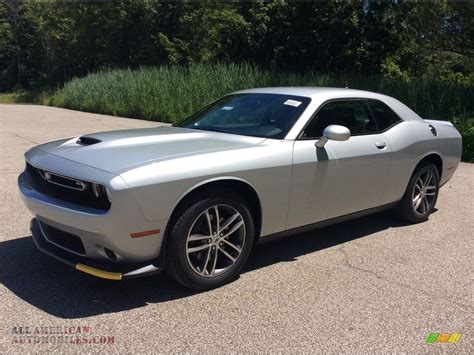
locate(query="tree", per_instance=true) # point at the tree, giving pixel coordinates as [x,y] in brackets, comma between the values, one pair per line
[44,44]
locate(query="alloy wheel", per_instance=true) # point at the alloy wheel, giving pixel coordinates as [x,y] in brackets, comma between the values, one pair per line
[215,240]
[424,193]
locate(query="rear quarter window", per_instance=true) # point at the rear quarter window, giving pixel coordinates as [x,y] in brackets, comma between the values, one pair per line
[385,117]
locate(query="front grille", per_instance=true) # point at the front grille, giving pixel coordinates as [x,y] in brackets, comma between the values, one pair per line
[65,181]
[63,239]
[66,189]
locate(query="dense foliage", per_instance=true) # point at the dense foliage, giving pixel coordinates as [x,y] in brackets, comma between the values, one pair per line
[47,43]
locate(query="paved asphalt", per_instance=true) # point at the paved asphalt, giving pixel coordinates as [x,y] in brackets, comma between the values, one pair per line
[372,284]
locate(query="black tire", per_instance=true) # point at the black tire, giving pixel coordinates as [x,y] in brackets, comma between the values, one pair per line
[407,204]
[178,264]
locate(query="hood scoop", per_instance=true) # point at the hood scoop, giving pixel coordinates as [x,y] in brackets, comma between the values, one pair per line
[84,140]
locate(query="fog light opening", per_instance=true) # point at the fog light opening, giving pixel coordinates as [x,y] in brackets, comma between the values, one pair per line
[110,254]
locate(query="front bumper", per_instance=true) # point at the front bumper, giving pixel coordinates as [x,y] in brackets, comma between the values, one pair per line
[99,231]
[102,269]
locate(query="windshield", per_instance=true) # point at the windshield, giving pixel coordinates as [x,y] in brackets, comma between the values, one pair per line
[258,115]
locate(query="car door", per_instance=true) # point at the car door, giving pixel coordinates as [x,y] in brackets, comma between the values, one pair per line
[343,177]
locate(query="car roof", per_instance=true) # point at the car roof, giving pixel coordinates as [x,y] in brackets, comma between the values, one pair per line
[309,91]
[319,95]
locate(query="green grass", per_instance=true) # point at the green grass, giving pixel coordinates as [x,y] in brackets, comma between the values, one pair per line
[26,97]
[170,94]
[10,98]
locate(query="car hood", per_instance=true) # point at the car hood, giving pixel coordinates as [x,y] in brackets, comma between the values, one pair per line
[118,150]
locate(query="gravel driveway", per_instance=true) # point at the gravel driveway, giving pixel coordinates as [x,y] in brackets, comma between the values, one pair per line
[372,284]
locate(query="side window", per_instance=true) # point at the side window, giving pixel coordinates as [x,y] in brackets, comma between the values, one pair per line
[352,114]
[384,115]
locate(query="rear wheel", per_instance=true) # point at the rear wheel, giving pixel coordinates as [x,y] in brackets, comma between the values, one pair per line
[210,242]
[421,194]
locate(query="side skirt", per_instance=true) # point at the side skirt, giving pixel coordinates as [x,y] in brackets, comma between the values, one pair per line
[322,224]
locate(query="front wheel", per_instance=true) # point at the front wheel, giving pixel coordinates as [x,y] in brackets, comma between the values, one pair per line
[210,242]
[421,194]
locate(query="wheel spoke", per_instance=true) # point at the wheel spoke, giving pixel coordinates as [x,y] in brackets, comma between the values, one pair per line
[416,202]
[425,204]
[227,254]
[419,184]
[209,224]
[234,229]
[216,210]
[429,176]
[229,221]
[198,248]
[213,269]
[430,187]
[235,247]
[195,237]
[204,267]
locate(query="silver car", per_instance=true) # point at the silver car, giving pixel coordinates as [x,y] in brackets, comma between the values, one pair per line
[194,199]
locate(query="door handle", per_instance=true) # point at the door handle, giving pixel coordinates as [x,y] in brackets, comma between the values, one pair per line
[381,145]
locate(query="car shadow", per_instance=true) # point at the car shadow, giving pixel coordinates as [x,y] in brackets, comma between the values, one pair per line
[63,292]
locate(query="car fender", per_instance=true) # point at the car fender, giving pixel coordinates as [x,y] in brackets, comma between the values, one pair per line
[215,179]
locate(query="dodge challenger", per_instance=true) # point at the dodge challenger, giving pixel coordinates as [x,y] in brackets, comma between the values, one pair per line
[193,199]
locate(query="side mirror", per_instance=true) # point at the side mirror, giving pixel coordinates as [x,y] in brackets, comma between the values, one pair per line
[335,133]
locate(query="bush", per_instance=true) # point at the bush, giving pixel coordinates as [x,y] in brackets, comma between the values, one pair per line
[466,128]
[170,94]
